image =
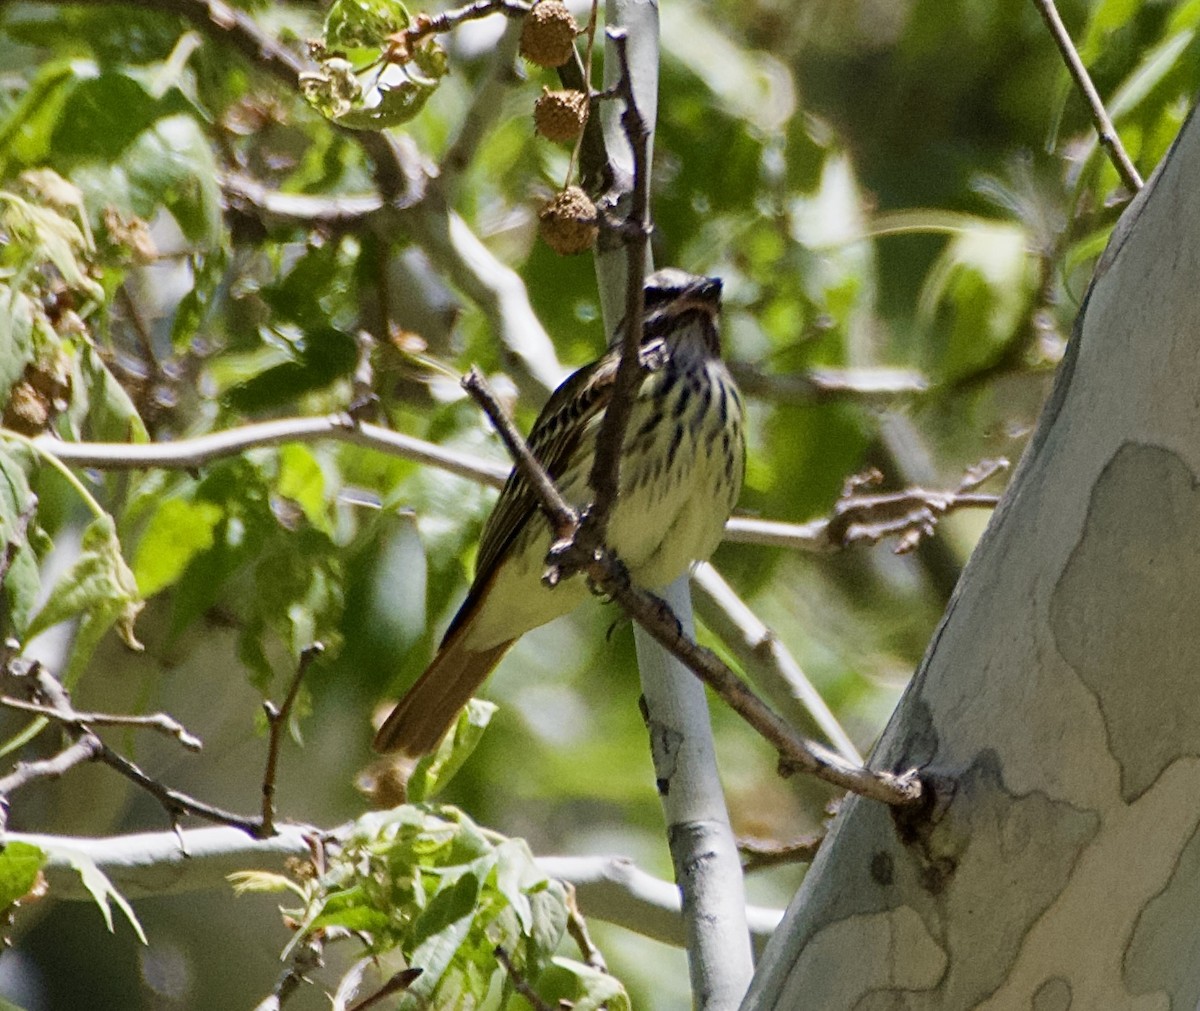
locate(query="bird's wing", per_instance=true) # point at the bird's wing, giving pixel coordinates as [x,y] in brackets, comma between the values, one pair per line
[553,439]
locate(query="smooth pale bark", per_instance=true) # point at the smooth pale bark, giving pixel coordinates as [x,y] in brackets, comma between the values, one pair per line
[1058,704]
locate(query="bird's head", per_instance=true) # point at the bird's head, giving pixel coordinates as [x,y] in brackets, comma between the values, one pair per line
[682,309]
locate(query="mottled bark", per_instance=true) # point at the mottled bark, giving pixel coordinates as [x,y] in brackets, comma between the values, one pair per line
[1058,706]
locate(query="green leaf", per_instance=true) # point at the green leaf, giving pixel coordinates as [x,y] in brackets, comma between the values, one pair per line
[363,24]
[19,866]
[100,590]
[177,532]
[208,270]
[442,931]
[301,481]
[582,987]
[435,770]
[101,889]
[261,882]
[977,294]
[103,115]
[351,88]
[16,338]
[101,408]
[44,236]
[318,359]
[22,582]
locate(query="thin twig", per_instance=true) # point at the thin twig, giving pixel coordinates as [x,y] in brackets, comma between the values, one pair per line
[398,982]
[768,661]
[757,854]
[823,385]
[35,681]
[190,454]
[276,722]
[429,24]
[605,476]
[562,517]
[1109,139]
[795,753]
[161,722]
[609,575]
[173,801]
[308,956]
[85,749]
[578,929]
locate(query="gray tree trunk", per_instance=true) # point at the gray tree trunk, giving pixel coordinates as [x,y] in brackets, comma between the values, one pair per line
[1058,705]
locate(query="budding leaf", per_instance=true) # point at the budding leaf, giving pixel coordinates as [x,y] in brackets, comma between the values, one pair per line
[100,590]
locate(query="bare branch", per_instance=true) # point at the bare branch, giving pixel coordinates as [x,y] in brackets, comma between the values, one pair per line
[768,661]
[1109,138]
[604,478]
[562,517]
[148,864]
[910,515]
[161,722]
[398,982]
[309,956]
[189,454]
[85,749]
[822,385]
[795,753]
[276,722]
[31,679]
[429,24]
[757,854]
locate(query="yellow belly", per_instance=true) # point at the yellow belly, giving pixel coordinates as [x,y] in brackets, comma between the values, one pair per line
[670,512]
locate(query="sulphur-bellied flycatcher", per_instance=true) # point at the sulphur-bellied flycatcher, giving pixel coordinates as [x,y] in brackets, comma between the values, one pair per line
[681,471]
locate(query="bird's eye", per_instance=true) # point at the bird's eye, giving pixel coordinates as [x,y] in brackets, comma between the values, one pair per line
[657,296]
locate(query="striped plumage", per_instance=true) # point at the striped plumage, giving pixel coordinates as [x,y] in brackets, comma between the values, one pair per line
[681,472]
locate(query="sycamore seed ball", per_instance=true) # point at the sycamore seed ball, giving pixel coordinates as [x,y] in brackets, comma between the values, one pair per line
[560,115]
[548,35]
[569,222]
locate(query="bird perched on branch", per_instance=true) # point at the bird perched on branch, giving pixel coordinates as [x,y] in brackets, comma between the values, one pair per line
[682,466]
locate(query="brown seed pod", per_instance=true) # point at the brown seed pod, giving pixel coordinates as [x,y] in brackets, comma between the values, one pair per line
[28,409]
[560,115]
[569,222]
[548,35]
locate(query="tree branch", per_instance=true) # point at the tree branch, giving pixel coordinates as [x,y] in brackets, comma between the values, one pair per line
[822,385]
[161,722]
[768,661]
[277,718]
[1110,140]
[151,864]
[31,679]
[605,476]
[189,454]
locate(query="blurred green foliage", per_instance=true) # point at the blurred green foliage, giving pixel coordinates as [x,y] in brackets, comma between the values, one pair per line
[904,184]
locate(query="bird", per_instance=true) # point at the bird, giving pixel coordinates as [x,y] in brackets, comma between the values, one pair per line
[682,467]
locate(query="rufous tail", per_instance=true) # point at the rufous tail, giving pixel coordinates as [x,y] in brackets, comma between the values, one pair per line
[429,708]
